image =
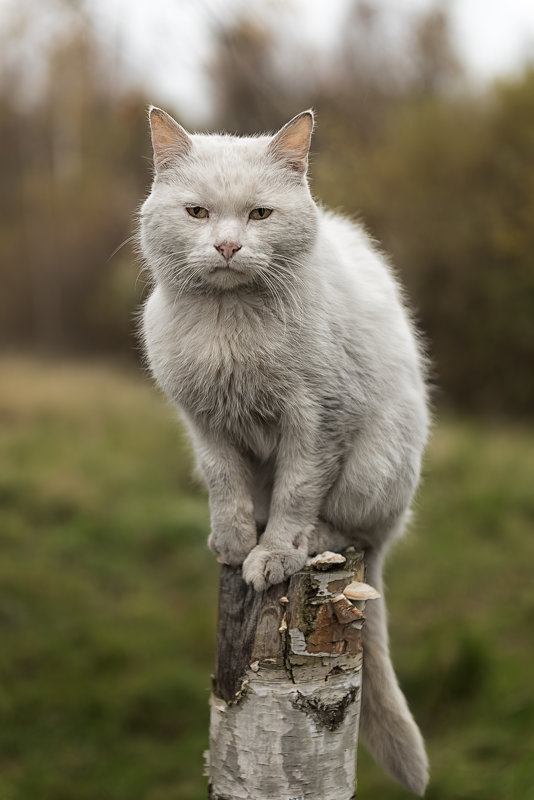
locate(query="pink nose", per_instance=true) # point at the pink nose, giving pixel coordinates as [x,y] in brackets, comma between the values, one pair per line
[227,249]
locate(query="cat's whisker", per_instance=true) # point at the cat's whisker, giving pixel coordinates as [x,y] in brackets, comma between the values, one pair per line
[290,294]
[142,272]
[279,291]
[121,245]
[279,304]
[191,276]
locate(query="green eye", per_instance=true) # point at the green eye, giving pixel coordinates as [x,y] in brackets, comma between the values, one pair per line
[261,213]
[197,211]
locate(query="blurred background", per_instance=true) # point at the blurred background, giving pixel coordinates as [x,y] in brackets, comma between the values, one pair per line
[108,593]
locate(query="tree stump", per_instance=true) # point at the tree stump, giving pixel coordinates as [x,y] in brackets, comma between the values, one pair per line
[286,691]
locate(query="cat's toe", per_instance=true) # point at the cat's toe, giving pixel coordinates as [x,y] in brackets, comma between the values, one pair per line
[260,567]
[263,568]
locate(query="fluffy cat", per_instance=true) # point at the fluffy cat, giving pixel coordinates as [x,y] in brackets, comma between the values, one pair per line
[281,335]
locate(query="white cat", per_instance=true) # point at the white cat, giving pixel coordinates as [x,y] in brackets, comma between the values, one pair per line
[281,335]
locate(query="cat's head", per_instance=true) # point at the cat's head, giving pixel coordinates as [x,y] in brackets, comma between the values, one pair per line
[228,211]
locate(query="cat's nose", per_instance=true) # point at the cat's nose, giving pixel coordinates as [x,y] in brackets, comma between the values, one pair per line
[227,249]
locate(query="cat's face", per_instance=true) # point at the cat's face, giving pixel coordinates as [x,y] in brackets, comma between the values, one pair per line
[227,211]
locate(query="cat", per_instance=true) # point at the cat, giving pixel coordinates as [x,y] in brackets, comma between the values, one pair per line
[280,333]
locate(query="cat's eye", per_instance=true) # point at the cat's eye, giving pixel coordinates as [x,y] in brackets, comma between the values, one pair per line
[260,213]
[197,211]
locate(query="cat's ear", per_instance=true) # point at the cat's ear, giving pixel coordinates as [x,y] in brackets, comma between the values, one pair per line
[169,140]
[292,142]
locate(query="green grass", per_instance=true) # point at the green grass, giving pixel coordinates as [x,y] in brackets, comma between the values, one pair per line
[108,599]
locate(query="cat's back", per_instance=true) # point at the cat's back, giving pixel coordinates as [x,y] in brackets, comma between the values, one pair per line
[365,304]
[360,279]
[358,266]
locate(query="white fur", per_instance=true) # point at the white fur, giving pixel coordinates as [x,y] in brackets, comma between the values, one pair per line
[299,376]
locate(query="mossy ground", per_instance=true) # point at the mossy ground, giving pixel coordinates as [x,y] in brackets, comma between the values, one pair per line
[108,599]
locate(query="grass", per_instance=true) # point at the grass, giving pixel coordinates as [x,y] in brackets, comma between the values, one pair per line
[108,599]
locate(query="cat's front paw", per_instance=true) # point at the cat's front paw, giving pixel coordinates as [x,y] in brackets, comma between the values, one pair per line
[232,544]
[263,567]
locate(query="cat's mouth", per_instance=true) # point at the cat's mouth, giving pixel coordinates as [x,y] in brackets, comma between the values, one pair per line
[227,276]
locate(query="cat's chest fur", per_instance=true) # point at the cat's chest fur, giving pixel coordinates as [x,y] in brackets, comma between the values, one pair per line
[222,361]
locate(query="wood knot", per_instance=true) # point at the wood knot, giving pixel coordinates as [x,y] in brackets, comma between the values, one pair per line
[325,715]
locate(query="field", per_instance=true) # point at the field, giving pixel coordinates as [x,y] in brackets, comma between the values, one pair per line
[108,599]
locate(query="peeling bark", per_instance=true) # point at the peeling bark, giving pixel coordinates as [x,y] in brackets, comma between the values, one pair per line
[286,691]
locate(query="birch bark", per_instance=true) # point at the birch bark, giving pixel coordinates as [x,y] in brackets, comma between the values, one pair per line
[286,694]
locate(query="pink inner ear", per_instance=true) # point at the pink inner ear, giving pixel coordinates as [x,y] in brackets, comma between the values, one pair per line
[169,139]
[292,142]
[296,141]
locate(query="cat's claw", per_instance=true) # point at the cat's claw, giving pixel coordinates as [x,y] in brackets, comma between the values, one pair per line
[263,568]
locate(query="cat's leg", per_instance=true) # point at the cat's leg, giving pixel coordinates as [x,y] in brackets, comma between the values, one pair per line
[305,469]
[380,473]
[227,475]
[325,537]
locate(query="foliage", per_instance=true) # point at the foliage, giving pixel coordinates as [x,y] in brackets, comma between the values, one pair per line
[449,191]
[72,176]
[441,174]
[107,609]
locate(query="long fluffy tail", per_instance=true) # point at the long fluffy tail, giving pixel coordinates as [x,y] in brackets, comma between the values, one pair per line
[387,726]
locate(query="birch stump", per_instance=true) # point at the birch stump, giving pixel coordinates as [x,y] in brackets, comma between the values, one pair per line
[286,691]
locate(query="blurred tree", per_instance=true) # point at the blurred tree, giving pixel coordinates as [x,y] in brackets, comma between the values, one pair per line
[242,76]
[70,188]
[436,65]
[442,176]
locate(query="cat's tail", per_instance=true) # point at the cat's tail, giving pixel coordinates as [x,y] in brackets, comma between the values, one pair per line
[387,726]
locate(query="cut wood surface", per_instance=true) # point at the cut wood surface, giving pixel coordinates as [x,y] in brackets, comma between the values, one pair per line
[286,691]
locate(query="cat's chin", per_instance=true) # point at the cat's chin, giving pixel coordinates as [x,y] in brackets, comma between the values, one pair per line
[226,277]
